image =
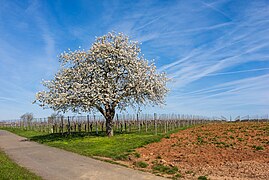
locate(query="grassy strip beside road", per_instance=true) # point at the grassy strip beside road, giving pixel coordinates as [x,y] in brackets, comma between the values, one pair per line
[117,147]
[10,170]
[24,133]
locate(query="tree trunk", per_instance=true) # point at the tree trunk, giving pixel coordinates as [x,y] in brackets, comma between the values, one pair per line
[109,115]
[109,127]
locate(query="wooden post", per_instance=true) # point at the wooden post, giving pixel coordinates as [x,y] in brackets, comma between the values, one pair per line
[165,126]
[146,125]
[168,125]
[68,121]
[88,123]
[62,125]
[155,123]
[138,123]
[53,128]
[75,125]
[91,126]
[96,123]
[117,120]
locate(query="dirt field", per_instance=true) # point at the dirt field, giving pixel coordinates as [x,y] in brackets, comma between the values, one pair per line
[217,151]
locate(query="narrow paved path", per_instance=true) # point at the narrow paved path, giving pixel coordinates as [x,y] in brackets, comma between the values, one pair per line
[53,164]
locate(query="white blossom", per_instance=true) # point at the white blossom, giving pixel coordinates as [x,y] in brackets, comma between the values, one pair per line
[111,75]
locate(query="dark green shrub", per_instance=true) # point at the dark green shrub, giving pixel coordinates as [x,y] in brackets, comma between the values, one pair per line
[177,176]
[258,148]
[141,164]
[137,155]
[165,169]
[202,178]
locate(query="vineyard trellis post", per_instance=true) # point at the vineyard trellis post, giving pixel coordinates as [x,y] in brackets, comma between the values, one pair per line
[68,128]
[96,123]
[88,122]
[146,123]
[155,123]
[117,122]
[62,125]
[138,123]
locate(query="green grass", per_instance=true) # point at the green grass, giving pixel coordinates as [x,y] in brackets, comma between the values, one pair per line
[189,172]
[10,170]
[141,164]
[200,140]
[137,155]
[258,148]
[118,147]
[202,178]
[177,176]
[164,169]
[24,133]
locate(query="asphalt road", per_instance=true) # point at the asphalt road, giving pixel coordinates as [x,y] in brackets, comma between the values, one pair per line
[55,164]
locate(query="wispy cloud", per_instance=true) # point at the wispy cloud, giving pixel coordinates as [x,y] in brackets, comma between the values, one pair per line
[236,72]
[211,6]
[232,86]
[35,10]
[227,98]
[7,99]
[236,47]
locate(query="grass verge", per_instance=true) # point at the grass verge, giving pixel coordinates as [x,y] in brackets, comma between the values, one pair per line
[10,170]
[118,147]
[23,132]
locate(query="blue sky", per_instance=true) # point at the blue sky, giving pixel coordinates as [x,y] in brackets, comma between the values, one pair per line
[217,52]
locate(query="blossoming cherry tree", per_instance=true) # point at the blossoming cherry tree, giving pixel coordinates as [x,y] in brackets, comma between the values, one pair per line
[110,76]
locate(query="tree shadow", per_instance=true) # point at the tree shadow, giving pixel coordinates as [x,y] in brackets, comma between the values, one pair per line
[73,135]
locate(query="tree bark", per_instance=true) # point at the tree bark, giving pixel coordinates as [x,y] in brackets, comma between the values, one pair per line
[109,115]
[109,127]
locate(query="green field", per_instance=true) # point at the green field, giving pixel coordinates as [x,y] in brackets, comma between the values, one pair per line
[118,147]
[10,170]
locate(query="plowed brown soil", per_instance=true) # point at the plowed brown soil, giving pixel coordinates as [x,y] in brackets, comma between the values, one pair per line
[218,151]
